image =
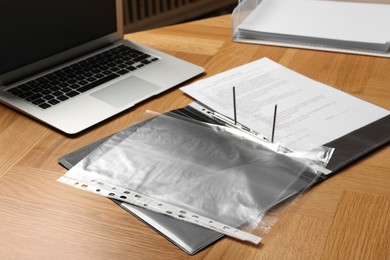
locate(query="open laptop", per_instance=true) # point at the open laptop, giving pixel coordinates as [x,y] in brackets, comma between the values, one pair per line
[65,62]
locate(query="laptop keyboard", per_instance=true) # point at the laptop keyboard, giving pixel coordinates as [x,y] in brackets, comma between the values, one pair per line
[70,81]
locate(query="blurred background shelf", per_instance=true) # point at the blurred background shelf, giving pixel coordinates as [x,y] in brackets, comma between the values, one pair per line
[148,14]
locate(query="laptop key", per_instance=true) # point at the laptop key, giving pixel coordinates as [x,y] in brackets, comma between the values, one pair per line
[34,97]
[53,102]
[57,93]
[44,105]
[72,93]
[46,92]
[25,94]
[83,82]
[48,97]
[66,89]
[142,57]
[38,101]
[98,82]
[122,71]
[131,68]
[62,98]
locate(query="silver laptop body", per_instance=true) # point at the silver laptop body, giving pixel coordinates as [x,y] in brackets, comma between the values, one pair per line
[99,103]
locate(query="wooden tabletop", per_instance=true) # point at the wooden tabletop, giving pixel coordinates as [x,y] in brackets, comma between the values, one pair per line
[345,217]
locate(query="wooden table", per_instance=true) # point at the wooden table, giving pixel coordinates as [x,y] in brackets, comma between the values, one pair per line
[345,217]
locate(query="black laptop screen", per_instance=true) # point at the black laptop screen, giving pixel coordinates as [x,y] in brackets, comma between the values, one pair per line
[33,30]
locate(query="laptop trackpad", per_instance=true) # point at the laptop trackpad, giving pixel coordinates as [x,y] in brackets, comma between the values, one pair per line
[127,91]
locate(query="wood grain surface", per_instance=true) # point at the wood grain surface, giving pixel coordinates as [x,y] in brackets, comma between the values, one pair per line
[345,217]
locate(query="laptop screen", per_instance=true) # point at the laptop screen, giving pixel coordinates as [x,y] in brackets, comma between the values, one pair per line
[34,30]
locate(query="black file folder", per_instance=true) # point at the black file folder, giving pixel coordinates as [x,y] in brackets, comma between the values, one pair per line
[353,146]
[192,238]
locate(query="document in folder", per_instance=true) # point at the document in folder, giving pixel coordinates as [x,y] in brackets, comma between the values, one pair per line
[309,113]
[319,24]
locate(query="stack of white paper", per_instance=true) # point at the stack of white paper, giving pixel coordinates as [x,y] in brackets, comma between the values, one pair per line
[346,25]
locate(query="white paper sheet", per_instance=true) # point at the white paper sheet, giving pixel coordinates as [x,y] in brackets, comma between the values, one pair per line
[309,112]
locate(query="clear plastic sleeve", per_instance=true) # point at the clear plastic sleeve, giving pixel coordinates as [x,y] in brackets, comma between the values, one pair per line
[211,174]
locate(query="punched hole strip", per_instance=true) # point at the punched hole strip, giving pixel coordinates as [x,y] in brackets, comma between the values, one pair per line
[135,198]
[230,122]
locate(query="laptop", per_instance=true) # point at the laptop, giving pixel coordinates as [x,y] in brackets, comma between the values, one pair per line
[65,62]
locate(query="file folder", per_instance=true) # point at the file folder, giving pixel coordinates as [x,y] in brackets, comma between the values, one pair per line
[190,238]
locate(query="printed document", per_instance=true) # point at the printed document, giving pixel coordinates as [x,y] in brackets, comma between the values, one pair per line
[309,113]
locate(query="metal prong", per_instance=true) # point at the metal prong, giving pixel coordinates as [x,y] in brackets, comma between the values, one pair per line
[274,123]
[234,105]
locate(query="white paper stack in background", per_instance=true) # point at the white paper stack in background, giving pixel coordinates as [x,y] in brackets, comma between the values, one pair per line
[351,27]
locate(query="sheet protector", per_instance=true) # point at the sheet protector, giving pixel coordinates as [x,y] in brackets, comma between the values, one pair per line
[188,237]
[193,238]
[212,176]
